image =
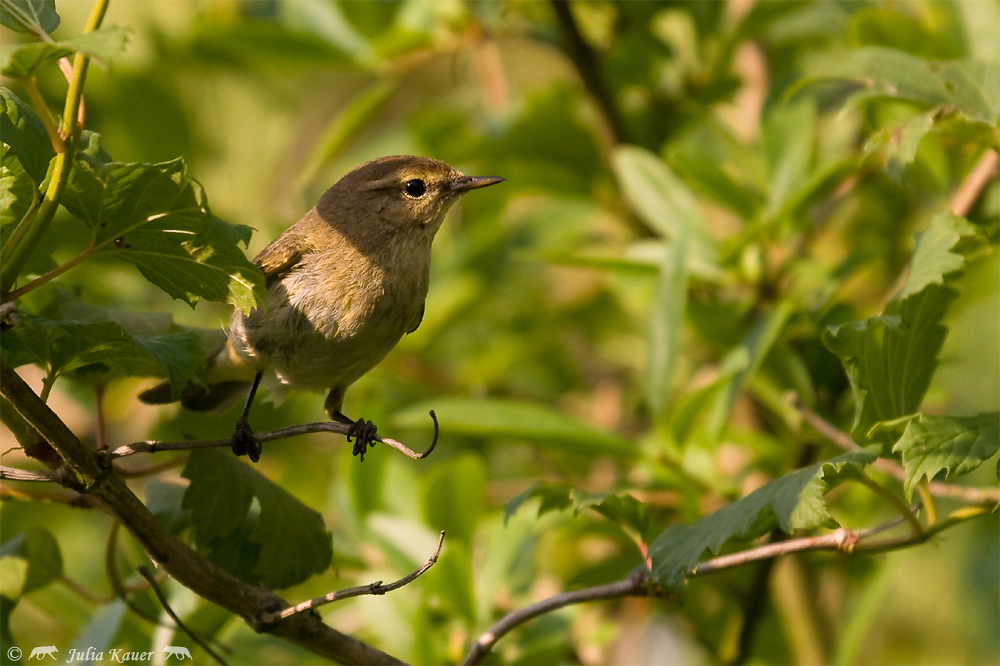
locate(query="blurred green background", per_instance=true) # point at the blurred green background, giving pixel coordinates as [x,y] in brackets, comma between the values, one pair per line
[544,295]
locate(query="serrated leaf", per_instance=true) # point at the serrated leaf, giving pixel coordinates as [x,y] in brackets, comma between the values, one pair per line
[104,45]
[282,545]
[25,133]
[955,444]
[29,15]
[666,204]
[620,508]
[899,143]
[155,217]
[934,257]
[518,420]
[41,551]
[972,86]
[890,359]
[17,193]
[63,346]
[791,502]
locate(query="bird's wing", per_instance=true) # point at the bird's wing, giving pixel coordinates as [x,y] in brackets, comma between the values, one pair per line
[280,257]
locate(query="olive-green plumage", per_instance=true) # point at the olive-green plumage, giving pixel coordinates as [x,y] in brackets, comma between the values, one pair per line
[344,283]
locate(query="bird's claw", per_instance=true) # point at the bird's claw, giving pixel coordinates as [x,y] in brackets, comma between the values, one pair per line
[244,442]
[364,434]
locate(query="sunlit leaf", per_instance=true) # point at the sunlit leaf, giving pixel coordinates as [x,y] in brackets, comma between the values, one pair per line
[954,444]
[973,87]
[24,132]
[155,217]
[104,45]
[794,501]
[890,359]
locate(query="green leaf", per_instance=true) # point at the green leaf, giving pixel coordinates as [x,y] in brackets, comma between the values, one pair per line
[25,133]
[453,496]
[282,544]
[875,26]
[899,142]
[62,346]
[41,551]
[620,508]
[972,86]
[17,193]
[155,217]
[789,137]
[934,257]
[666,204]
[34,16]
[666,320]
[890,359]
[104,45]
[791,502]
[955,444]
[164,500]
[517,420]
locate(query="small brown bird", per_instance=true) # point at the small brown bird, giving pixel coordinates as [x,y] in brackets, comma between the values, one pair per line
[344,284]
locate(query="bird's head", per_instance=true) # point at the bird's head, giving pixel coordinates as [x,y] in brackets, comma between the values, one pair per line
[400,193]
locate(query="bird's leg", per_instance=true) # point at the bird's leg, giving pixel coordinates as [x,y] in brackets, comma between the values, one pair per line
[243,440]
[362,431]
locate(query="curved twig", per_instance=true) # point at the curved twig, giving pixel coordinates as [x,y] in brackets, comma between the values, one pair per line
[151,446]
[372,588]
[841,540]
[147,574]
[635,586]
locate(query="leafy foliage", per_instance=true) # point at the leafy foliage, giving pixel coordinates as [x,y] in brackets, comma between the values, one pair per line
[155,217]
[891,358]
[954,444]
[702,220]
[251,527]
[103,45]
[794,501]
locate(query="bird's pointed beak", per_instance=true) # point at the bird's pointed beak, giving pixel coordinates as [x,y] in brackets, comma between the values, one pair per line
[466,183]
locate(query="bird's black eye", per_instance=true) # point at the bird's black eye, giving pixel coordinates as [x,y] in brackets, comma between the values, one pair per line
[415,187]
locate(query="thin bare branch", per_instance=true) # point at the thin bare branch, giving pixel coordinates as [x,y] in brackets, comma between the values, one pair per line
[148,575]
[975,182]
[972,494]
[635,586]
[372,588]
[15,474]
[151,446]
[842,540]
[91,474]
